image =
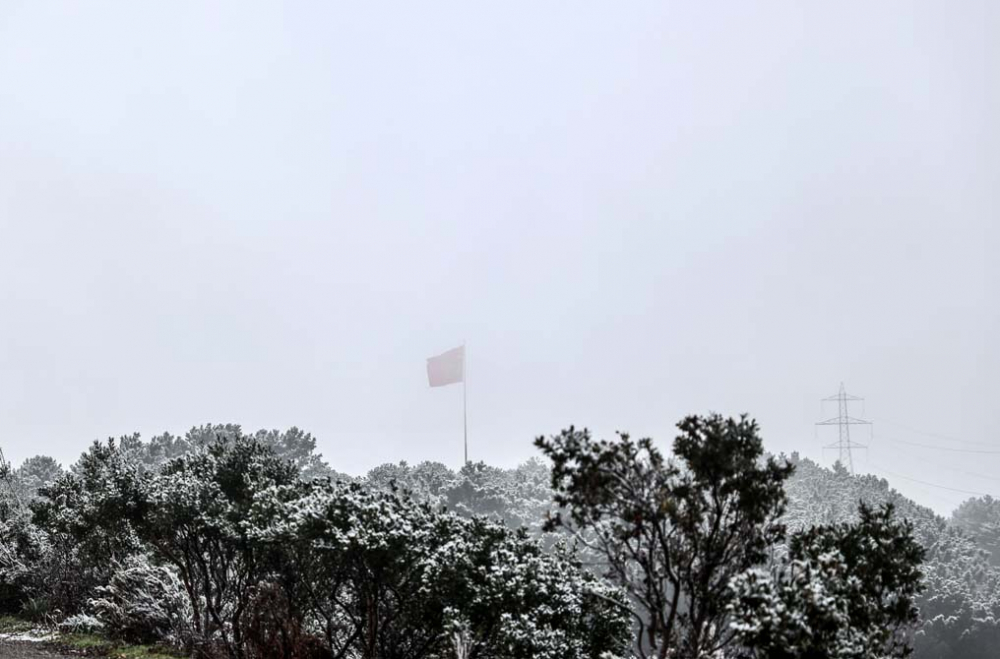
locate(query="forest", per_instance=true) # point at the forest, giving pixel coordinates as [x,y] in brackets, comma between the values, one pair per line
[226,543]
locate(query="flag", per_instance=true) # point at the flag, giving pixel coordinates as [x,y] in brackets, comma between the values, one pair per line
[447,368]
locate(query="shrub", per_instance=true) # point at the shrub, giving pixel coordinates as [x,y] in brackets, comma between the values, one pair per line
[844,590]
[143,603]
[19,540]
[378,575]
[87,517]
[41,573]
[81,623]
[274,629]
[672,529]
[196,523]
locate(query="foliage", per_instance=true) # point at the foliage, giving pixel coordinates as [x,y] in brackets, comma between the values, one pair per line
[519,497]
[980,519]
[960,604]
[294,445]
[81,623]
[34,474]
[93,644]
[845,590]
[79,525]
[297,447]
[95,504]
[384,576]
[272,564]
[142,603]
[196,521]
[24,571]
[673,534]
[464,584]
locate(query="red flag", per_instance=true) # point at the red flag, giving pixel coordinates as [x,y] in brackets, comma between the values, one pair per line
[447,368]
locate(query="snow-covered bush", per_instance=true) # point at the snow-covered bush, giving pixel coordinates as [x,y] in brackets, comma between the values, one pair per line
[81,623]
[845,591]
[673,529]
[795,613]
[20,546]
[518,497]
[521,601]
[89,516]
[42,573]
[960,605]
[377,574]
[143,603]
[196,521]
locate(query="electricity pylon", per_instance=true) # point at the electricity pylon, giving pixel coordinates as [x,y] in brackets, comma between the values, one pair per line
[844,421]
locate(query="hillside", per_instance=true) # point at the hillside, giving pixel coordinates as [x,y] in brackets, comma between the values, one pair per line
[960,607]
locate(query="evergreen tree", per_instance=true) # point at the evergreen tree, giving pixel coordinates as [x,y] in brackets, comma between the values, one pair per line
[673,533]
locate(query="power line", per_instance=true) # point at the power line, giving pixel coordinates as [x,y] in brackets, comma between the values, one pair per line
[940,487]
[944,448]
[952,499]
[970,473]
[936,435]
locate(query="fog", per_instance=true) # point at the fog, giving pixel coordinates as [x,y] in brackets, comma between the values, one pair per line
[272,214]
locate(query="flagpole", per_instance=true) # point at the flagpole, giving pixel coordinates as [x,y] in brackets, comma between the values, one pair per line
[465,408]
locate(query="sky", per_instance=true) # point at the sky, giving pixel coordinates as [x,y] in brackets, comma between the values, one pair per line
[272,213]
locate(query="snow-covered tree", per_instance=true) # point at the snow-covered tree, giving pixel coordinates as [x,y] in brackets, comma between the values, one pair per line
[299,448]
[88,517]
[35,473]
[843,591]
[195,520]
[960,604]
[384,576]
[518,497]
[673,533]
[980,518]
[26,565]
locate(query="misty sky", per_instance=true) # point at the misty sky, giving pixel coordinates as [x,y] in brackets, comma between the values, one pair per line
[273,214]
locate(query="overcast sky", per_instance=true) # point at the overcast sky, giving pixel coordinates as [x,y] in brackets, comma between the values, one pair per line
[273,214]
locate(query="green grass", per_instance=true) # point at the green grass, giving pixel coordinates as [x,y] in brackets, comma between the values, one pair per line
[89,644]
[84,641]
[94,644]
[12,625]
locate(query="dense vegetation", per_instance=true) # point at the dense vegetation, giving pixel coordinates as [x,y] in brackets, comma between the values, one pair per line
[230,544]
[225,549]
[960,604]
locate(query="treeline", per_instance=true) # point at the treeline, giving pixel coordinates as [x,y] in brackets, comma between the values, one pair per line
[242,545]
[227,550]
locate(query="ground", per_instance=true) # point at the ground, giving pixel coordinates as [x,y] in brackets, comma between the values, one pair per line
[26,650]
[65,646]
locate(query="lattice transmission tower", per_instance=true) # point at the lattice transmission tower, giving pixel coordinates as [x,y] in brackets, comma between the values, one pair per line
[844,421]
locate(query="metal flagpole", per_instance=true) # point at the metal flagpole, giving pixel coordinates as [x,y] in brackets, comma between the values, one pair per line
[465,411]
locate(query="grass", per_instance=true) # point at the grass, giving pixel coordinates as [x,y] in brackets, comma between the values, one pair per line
[89,644]
[12,625]
[92,644]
